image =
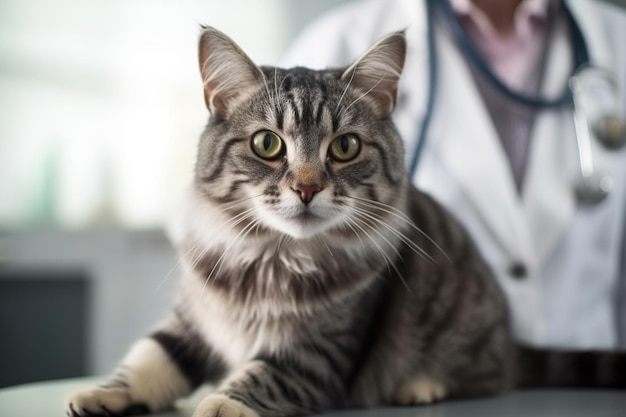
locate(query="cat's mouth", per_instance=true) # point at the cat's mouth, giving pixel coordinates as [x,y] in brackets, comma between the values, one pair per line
[306,216]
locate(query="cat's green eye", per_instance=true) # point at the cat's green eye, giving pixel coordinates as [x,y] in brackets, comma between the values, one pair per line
[345,148]
[267,145]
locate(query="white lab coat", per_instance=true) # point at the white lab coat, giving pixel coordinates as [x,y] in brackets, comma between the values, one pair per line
[572,254]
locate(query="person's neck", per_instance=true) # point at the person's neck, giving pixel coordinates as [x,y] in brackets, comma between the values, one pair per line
[501,13]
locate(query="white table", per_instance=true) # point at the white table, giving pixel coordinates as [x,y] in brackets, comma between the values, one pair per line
[45,399]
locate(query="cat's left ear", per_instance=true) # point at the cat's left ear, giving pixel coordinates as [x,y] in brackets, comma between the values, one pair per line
[228,74]
[377,72]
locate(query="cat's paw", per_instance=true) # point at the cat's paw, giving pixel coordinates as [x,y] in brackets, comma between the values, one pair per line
[419,390]
[217,405]
[105,402]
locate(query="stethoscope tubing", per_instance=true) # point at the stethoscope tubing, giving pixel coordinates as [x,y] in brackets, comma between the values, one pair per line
[433,79]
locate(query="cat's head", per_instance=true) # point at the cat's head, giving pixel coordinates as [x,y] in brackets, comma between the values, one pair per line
[298,151]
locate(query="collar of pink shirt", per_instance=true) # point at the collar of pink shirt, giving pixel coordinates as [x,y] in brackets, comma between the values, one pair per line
[513,56]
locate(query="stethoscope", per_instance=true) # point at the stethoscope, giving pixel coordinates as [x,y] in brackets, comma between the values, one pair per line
[609,129]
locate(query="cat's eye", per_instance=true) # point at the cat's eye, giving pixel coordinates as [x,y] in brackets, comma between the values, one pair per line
[267,145]
[345,148]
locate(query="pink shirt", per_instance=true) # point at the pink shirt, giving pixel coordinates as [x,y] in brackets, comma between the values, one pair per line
[513,56]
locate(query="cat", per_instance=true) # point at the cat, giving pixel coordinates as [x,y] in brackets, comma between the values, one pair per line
[316,276]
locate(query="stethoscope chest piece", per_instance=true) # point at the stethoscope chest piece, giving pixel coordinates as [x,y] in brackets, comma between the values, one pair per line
[611,131]
[591,190]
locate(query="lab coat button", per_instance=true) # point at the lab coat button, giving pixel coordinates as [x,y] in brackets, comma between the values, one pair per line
[518,270]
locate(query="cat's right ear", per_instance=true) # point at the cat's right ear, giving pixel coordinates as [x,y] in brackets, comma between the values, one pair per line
[228,74]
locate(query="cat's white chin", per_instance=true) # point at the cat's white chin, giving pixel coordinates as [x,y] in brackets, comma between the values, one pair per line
[298,221]
[300,230]
[299,227]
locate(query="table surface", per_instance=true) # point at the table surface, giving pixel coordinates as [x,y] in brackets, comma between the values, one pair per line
[45,399]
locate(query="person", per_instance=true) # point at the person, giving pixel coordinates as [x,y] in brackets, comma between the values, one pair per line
[508,167]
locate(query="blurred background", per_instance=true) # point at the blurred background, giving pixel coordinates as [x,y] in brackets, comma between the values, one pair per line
[100,110]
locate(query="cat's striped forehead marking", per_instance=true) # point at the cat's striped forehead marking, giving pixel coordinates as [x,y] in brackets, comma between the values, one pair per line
[302,105]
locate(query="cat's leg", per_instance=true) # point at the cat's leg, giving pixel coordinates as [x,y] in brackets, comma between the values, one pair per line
[266,387]
[156,371]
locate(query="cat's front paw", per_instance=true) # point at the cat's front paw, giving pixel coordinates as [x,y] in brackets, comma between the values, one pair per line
[221,406]
[419,390]
[105,402]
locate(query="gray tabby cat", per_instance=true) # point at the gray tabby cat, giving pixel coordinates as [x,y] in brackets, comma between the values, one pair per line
[316,275]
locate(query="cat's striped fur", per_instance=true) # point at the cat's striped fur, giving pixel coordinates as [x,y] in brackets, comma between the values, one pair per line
[313,282]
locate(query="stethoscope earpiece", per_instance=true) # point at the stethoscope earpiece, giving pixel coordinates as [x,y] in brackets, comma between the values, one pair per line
[611,131]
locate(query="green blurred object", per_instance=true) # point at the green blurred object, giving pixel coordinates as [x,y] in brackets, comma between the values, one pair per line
[47,187]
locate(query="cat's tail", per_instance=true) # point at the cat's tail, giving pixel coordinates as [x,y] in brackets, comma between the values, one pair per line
[557,368]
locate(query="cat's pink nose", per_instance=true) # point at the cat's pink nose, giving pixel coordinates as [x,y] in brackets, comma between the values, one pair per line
[307,191]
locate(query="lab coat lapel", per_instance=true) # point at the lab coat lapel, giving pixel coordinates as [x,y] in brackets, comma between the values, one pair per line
[464,138]
[548,193]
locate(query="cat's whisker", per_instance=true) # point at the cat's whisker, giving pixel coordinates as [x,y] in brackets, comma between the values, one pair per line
[180,259]
[402,216]
[195,259]
[236,220]
[412,245]
[280,87]
[281,240]
[267,90]
[344,93]
[373,227]
[376,245]
[396,211]
[241,217]
[326,245]
[276,95]
[224,208]
[366,93]
[389,263]
[349,224]
[239,237]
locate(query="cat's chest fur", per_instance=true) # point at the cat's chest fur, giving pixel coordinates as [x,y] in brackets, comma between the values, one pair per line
[239,333]
[236,334]
[285,296]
